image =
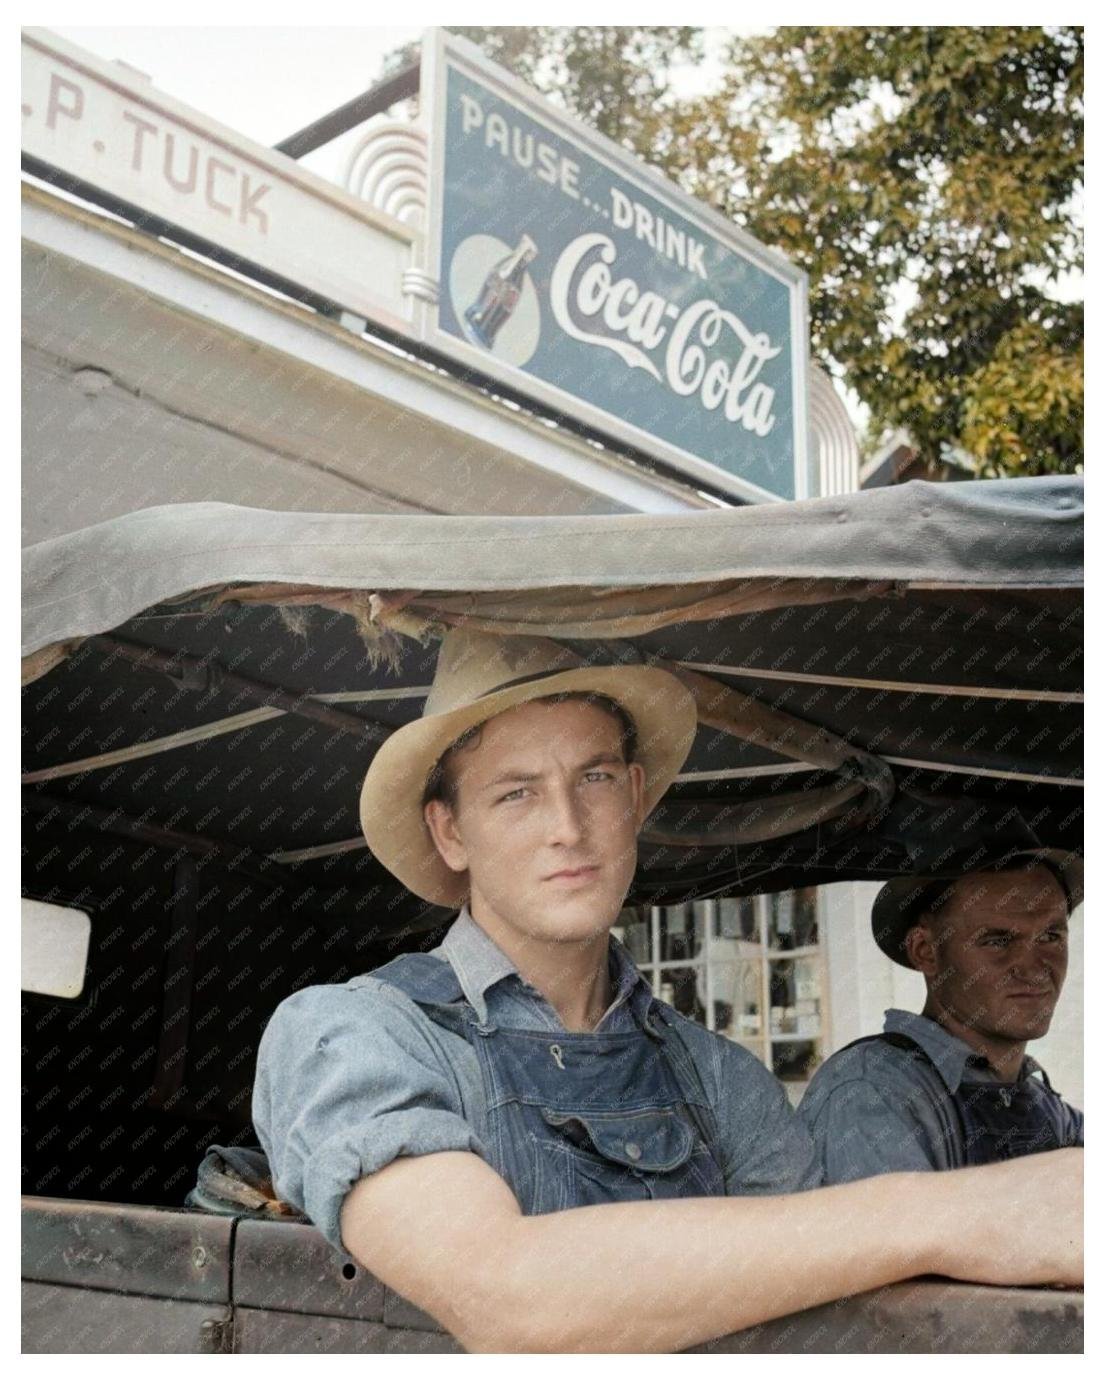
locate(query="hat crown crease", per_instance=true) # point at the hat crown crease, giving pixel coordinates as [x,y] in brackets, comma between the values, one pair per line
[474,665]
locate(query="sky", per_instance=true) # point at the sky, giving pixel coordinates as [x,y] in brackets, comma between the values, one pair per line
[263,82]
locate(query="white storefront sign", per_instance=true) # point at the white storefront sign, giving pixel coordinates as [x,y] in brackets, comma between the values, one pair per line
[107,129]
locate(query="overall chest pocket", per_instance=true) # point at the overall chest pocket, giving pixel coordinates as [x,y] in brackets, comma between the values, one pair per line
[607,1157]
[989,1144]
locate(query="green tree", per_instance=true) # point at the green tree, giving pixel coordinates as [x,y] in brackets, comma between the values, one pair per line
[927,179]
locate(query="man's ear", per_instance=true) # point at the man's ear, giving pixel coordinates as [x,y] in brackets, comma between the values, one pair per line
[637,786]
[442,825]
[920,949]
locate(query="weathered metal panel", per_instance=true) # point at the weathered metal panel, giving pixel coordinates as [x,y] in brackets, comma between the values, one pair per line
[257,1330]
[291,1267]
[925,1316]
[87,1266]
[400,1312]
[58,1319]
[133,1250]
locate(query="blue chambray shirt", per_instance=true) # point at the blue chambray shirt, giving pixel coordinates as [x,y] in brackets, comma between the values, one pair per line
[875,1109]
[350,1077]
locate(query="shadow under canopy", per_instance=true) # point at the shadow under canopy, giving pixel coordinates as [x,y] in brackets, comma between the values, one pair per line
[887,681]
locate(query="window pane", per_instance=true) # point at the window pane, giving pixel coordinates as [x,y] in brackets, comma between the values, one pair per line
[737,918]
[781,988]
[805,917]
[736,973]
[795,986]
[807,996]
[635,928]
[682,931]
[673,932]
[794,1061]
[792,919]
[685,989]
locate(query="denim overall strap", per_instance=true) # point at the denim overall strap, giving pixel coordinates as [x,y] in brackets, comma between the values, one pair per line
[433,985]
[1004,1120]
[422,977]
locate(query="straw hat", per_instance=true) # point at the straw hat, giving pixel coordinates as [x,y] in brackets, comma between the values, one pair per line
[900,904]
[478,676]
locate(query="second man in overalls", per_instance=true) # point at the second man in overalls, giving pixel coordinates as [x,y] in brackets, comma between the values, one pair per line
[953,1086]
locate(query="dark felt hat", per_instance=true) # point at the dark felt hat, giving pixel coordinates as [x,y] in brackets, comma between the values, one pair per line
[901,903]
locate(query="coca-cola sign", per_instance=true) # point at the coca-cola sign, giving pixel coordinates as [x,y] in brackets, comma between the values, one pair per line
[571,272]
[635,323]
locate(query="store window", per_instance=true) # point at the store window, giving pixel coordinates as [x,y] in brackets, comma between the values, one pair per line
[750,968]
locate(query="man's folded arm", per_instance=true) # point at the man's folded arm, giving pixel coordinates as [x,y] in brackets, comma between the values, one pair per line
[446,1232]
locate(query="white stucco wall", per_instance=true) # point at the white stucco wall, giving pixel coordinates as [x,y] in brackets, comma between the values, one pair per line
[1060,1051]
[863,982]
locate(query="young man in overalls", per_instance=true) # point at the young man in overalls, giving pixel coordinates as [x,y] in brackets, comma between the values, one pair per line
[511,1131]
[953,1086]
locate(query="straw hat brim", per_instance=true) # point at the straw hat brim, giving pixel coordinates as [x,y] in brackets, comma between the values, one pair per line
[662,709]
[895,910]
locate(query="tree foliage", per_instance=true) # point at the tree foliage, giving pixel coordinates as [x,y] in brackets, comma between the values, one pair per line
[927,179]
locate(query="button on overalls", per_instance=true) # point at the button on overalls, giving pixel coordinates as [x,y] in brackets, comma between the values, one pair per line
[577,1119]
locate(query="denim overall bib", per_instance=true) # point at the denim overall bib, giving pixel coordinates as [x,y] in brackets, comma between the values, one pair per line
[1000,1121]
[578,1119]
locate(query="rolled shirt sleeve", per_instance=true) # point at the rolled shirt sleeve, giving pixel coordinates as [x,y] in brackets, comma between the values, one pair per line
[349,1079]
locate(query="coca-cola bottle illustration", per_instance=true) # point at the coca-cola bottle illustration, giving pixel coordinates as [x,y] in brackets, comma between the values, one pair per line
[499,295]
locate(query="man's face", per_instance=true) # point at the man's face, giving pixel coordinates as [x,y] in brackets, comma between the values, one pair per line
[995,956]
[545,820]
